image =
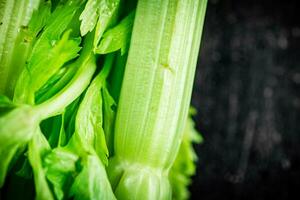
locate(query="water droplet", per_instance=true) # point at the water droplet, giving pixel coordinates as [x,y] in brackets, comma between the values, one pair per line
[53,42]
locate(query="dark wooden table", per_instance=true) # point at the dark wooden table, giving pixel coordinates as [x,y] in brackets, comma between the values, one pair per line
[247,92]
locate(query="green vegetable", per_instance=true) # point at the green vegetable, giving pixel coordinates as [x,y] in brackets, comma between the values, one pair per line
[151,117]
[14,16]
[38,147]
[100,14]
[117,37]
[94,98]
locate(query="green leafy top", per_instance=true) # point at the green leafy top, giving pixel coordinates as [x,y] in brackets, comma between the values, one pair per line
[100,14]
[184,166]
[89,119]
[52,49]
[117,37]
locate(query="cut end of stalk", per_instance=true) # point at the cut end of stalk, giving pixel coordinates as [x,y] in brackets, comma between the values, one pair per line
[133,181]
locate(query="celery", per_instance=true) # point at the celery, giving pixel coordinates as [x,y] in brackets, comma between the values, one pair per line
[94,97]
[14,16]
[155,96]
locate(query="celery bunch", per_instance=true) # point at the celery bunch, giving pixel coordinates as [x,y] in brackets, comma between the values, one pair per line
[95,97]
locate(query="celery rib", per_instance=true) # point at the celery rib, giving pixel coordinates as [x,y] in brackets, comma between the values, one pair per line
[14,15]
[75,87]
[155,96]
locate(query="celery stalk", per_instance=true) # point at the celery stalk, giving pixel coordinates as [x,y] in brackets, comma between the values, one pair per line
[155,96]
[14,16]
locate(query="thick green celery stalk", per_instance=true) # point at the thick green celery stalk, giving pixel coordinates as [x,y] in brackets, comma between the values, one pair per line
[155,96]
[14,18]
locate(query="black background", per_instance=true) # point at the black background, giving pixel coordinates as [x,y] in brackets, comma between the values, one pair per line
[247,93]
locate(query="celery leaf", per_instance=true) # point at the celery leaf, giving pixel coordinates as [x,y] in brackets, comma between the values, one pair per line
[51,51]
[117,37]
[109,114]
[99,13]
[60,165]
[184,166]
[37,148]
[89,121]
[92,181]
